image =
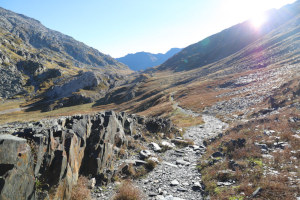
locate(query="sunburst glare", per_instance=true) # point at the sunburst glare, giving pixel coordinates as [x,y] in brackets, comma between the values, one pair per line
[258,20]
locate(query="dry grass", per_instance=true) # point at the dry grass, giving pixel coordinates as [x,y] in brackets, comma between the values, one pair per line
[81,191]
[24,116]
[128,191]
[253,170]
[10,104]
[150,165]
[183,120]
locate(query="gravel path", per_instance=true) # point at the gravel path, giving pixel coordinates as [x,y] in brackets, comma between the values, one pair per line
[179,166]
[176,176]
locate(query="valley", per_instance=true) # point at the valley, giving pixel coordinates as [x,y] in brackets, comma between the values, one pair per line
[219,119]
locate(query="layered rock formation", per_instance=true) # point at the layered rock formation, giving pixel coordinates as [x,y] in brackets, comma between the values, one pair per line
[47,157]
[16,168]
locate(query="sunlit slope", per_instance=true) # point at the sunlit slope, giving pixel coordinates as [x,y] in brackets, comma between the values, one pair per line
[229,41]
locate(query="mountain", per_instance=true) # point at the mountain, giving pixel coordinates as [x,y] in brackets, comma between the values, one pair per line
[32,32]
[143,60]
[40,64]
[229,105]
[227,42]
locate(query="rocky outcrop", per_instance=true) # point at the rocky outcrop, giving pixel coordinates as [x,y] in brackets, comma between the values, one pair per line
[84,80]
[61,149]
[16,169]
[10,82]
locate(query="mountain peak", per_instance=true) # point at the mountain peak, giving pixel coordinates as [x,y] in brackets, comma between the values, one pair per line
[143,60]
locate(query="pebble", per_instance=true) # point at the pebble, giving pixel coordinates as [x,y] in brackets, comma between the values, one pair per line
[174,183]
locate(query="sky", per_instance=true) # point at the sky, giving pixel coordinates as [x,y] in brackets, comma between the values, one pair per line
[119,27]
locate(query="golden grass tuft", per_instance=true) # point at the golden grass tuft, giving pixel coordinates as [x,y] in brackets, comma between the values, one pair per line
[81,191]
[128,191]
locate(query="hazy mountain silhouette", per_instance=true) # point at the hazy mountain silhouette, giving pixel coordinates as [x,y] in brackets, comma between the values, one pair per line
[143,60]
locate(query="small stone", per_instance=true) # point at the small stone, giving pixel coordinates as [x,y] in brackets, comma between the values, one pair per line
[92,183]
[170,164]
[152,194]
[197,186]
[160,197]
[155,146]
[154,159]
[167,144]
[182,162]
[174,183]
[160,191]
[185,184]
[145,154]
[258,190]
[182,190]
[217,154]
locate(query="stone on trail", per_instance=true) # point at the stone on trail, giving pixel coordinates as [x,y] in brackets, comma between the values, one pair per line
[174,183]
[182,162]
[145,154]
[155,146]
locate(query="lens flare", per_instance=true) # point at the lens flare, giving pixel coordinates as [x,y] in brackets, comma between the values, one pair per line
[258,20]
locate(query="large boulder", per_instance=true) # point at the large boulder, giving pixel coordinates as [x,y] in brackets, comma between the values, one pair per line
[81,81]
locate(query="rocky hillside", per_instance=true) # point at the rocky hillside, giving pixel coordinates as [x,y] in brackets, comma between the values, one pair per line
[228,42]
[32,32]
[143,60]
[41,65]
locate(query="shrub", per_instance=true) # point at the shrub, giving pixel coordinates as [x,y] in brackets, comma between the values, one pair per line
[128,191]
[150,165]
[81,191]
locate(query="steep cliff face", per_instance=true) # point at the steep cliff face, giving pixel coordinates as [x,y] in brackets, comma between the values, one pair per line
[52,153]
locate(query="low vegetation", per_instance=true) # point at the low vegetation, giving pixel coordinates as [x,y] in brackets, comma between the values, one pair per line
[128,191]
[267,161]
[81,191]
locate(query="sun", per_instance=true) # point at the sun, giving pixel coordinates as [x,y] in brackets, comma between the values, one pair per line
[258,20]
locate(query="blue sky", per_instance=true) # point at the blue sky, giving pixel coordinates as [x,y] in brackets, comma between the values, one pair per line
[119,27]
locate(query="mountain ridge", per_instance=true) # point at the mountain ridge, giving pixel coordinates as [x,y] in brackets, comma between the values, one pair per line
[228,41]
[143,60]
[34,33]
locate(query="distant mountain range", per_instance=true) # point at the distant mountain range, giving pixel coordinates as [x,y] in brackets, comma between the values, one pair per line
[143,60]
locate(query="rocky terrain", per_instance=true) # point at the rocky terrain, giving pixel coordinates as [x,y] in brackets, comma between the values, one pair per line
[219,120]
[46,157]
[32,32]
